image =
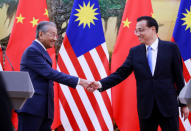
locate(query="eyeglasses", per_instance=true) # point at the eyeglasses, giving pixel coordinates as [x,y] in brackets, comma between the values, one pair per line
[140,30]
[51,34]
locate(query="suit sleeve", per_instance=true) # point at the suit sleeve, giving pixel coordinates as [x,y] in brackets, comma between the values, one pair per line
[178,72]
[37,63]
[178,69]
[119,75]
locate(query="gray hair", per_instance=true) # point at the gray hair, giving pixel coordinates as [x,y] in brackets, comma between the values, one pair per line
[41,27]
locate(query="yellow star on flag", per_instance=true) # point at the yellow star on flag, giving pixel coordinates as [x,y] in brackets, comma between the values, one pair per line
[187,19]
[126,23]
[86,14]
[34,22]
[46,12]
[20,19]
[153,15]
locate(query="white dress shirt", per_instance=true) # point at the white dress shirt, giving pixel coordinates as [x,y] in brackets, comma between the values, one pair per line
[154,47]
[40,43]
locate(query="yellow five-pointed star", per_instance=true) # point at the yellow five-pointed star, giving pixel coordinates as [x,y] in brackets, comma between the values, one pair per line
[34,22]
[20,19]
[153,15]
[126,23]
[46,12]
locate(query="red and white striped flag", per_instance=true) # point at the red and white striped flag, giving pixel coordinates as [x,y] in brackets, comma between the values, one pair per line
[84,54]
[181,36]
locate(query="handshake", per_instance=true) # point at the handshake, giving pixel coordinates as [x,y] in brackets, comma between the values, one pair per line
[90,86]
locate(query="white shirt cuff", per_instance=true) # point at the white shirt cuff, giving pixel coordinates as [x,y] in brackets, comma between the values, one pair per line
[78,81]
[100,85]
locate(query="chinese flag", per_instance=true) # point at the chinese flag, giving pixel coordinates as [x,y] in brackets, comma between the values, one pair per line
[28,15]
[124,97]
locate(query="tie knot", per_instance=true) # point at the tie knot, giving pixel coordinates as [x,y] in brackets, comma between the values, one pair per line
[149,48]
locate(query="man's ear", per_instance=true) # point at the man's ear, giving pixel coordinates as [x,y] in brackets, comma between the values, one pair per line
[153,28]
[40,34]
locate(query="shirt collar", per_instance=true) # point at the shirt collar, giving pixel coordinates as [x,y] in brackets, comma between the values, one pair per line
[40,43]
[154,45]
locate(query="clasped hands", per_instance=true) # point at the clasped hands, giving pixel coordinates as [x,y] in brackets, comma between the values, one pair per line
[90,86]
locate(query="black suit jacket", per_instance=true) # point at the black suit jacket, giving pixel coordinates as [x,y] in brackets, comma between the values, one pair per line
[161,88]
[5,109]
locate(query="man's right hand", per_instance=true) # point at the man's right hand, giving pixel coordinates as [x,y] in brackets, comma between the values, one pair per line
[93,86]
[85,83]
[90,86]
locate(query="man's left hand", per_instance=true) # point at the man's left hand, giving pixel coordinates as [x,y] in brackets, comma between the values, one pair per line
[184,112]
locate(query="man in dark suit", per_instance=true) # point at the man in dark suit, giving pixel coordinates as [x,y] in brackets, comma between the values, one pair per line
[5,109]
[157,66]
[37,112]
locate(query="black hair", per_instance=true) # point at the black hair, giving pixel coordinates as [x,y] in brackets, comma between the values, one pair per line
[150,21]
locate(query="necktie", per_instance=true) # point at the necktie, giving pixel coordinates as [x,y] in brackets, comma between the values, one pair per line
[149,57]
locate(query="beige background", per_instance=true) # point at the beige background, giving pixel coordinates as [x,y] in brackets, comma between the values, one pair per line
[5,24]
[165,12]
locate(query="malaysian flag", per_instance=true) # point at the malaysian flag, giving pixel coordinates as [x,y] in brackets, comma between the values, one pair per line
[84,54]
[1,59]
[182,36]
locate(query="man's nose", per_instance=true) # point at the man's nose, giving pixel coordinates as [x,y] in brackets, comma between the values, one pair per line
[137,33]
[55,38]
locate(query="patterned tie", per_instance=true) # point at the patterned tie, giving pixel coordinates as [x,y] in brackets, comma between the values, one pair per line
[149,57]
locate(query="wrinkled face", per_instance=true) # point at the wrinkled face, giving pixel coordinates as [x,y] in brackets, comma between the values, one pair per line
[49,37]
[143,32]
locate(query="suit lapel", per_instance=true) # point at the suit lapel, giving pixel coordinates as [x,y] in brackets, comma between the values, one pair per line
[144,58]
[43,52]
[158,58]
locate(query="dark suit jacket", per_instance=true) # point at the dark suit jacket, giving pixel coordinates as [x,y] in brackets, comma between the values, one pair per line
[161,88]
[37,62]
[5,109]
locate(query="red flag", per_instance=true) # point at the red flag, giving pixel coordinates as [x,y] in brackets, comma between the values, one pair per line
[124,95]
[28,15]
